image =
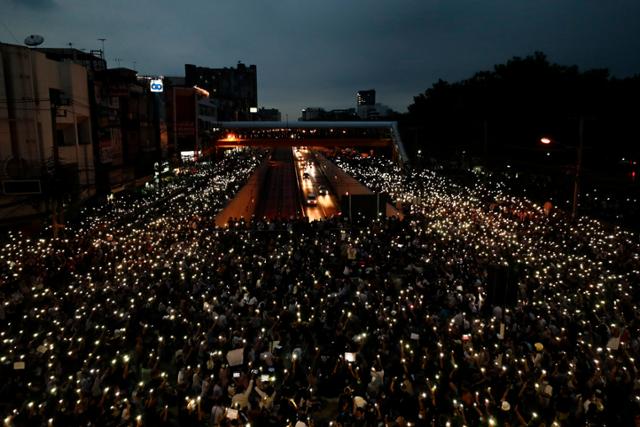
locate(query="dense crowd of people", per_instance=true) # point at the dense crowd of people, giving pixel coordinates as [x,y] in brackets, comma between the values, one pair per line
[146,313]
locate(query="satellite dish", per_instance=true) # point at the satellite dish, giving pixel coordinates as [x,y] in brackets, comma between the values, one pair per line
[34,40]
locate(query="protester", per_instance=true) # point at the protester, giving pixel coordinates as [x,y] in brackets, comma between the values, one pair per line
[147,314]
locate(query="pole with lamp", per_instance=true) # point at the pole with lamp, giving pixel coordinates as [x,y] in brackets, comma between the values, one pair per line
[578,172]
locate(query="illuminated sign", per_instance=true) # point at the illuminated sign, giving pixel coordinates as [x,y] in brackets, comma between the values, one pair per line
[156,85]
[253,109]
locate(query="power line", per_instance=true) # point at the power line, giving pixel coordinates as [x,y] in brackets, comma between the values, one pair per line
[10,32]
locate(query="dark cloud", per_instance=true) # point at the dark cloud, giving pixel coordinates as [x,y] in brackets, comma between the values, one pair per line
[319,53]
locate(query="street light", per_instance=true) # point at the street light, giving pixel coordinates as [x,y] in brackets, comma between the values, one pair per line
[576,181]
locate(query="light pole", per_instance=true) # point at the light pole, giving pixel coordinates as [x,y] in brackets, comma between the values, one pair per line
[578,173]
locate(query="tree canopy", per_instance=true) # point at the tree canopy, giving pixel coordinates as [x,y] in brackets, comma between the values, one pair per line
[503,112]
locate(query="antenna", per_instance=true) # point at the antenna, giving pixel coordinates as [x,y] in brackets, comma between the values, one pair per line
[102,40]
[34,40]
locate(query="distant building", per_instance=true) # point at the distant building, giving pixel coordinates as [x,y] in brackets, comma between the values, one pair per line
[191,117]
[235,90]
[129,131]
[174,81]
[320,114]
[373,112]
[366,97]
[312,113]
[269,115]
[368,109]
[344,114]
[130,128]
[92,61]
[45,132]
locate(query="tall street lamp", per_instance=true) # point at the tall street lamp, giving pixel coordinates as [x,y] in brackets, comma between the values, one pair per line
[577,176]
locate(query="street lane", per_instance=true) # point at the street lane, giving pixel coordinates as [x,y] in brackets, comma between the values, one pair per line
[327,205]
[282,198]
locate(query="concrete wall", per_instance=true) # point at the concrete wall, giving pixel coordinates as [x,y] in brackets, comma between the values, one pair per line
[343,184]
[244,204]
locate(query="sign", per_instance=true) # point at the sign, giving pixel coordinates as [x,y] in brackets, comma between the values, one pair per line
[253,110]
[235,357]
[189,156]
[156,85]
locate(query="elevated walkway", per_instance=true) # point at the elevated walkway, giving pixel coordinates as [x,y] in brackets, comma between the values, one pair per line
[313,133]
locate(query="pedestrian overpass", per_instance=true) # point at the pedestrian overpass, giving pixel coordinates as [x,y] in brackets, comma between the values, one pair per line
[364,134]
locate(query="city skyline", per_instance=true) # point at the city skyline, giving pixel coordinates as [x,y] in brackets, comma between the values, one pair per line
[321,54]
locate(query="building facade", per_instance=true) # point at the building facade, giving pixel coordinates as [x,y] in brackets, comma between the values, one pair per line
[191,116]
[315,114]
[234,90]
[268,115]
[131,136]
[366,97]
[45,132]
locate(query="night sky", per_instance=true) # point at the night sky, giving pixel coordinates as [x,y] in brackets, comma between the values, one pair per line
[319,53]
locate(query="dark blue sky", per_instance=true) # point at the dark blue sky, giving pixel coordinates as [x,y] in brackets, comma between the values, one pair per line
[319,53]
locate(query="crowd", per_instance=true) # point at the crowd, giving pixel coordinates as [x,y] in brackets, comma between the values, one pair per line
[148,314]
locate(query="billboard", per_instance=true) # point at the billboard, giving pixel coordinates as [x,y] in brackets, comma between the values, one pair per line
[155,85]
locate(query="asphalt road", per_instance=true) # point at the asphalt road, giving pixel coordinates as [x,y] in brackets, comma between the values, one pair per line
[327,205]
[281,198]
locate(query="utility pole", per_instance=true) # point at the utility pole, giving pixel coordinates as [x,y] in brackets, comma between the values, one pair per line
[56,205]
[576,182]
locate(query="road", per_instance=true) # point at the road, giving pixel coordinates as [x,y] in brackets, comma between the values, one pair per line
[327,205]
[282,198]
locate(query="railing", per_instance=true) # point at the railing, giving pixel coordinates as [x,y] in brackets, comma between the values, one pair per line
[403,158]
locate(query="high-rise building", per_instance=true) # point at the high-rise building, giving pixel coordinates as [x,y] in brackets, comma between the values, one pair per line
[366,97]
[234,90]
